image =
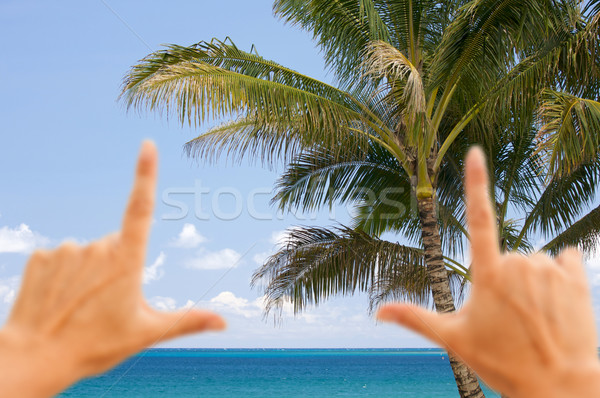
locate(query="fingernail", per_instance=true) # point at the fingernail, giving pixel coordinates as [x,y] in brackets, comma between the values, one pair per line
[216,323]
[385,315]
[476,153]
[147,151]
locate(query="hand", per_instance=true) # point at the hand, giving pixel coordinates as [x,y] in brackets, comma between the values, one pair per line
[81,311]
[527,328]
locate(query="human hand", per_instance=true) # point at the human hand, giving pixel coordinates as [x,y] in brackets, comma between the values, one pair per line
[527,328]
[81,311]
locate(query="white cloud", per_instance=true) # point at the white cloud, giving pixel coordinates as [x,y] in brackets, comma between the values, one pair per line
[189,304]
[279,238]
[188,238]
[227,302]
[8,289]
[338,322]
[154,271]
[261,258]
[163,303]
[20,239]
[226,258]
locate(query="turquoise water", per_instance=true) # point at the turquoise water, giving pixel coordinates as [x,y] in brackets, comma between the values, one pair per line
[276,373]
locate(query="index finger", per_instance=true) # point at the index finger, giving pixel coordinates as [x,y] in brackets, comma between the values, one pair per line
[481,217]
[138,215]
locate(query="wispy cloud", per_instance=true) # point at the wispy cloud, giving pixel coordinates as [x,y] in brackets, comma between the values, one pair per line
[8,289]
[20,239]
[335,323]
[163,303]
[154,272]
[261,257]
[212,260]
[188,238]
[227,302]
[278,240]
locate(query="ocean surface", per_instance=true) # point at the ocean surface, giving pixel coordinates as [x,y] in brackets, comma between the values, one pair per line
[276,373]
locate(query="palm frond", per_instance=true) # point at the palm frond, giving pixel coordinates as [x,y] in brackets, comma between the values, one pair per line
[210,81]
[570,135]
[567,57]
[197,91]
[383,61]
[509,237]
[246,138]
[562,201]
[592,8]
[319,177]
[584,234]
[341,28]
[316,263]
[387,289]
[227,56]
[483,34]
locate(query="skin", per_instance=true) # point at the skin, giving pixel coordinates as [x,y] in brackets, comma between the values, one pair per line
[80,310]
[528,327]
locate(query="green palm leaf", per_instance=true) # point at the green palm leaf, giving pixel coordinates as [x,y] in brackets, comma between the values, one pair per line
[584,234]
[246,138]
[388,288]
[316,263]
[561,202]
[319,176]
[342,28]
[216,80]
[570,135]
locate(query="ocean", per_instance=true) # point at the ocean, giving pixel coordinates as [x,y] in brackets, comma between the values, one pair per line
[269,373]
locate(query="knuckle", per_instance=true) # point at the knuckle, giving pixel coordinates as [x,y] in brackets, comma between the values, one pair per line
[572,254]
[480,215]
[541,258]
[67,248]
[39,256]
[94,248]
[515,260]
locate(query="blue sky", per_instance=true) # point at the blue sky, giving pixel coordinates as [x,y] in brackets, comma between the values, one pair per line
[68,148]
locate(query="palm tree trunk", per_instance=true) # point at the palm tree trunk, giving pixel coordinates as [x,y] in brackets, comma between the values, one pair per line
[468,386]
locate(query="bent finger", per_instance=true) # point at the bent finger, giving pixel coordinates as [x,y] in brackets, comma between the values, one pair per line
[428,324]
[179,323]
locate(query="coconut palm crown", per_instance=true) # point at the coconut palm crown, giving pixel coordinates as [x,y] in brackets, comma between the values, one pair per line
[413,78]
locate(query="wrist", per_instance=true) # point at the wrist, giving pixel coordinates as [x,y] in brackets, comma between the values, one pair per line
[580,380]
[32,367]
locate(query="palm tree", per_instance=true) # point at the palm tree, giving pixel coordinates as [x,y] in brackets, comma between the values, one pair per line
[413,77]
[316,262]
